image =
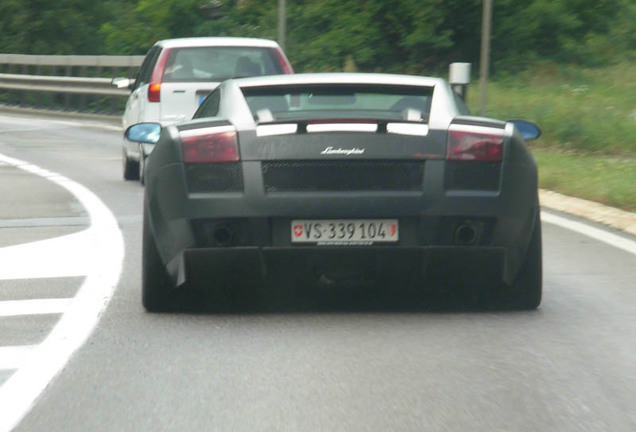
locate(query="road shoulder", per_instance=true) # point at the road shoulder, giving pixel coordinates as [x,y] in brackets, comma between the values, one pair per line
[612,217]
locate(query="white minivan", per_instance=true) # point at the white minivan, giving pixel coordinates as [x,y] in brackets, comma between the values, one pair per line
[177,74]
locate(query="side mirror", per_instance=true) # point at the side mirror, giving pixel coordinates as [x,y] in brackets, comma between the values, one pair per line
[146,133]
[529,131]
[123,82]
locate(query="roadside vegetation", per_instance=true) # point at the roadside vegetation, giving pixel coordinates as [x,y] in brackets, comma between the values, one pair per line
[588,119]
[568,65]
[602,178]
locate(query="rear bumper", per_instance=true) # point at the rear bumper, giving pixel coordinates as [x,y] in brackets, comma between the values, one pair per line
[183,223]
[209,268]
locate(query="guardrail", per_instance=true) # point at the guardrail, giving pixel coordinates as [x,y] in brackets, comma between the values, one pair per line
[65,83]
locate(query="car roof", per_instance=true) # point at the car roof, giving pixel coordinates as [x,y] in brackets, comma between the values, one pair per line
[216,41]
[338,78]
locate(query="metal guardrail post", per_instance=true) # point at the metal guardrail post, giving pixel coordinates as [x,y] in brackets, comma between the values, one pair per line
[67,72]
[23,95]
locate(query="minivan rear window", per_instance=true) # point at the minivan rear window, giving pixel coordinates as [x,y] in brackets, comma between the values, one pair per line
[204,64]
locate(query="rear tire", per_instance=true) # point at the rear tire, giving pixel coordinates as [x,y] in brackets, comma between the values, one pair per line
[131,167]
[142,169]
[155,283]
[526,291]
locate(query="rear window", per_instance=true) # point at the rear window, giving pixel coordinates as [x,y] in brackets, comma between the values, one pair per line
[339,101]
[219,63]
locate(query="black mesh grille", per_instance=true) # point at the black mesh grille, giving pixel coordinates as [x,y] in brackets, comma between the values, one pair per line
[471,175]
[342,176]
[218,177]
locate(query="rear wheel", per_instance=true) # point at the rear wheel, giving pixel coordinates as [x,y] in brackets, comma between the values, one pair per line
[142,168]
[131,167]
[525,293]
[155,283]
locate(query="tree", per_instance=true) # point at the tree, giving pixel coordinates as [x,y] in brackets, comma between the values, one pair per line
[44,27]
[412,36]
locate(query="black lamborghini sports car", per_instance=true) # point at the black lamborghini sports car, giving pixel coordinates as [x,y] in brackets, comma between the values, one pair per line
[337,179]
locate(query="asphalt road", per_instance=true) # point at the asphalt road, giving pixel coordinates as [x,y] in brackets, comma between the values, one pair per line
[569,366]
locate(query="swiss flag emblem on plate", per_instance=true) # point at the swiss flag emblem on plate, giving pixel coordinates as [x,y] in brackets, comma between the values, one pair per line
[298,230]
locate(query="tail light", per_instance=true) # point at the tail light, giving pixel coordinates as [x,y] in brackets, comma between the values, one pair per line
[284,63]
[154,92]
[154,89]
[210,145]
[475,143]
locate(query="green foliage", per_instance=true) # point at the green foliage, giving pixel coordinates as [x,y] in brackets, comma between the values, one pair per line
[139,26]
[46,27]
[603,179]
[411,36]
[345,32]
[565,31]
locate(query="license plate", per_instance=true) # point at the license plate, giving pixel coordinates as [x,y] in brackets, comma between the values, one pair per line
[344,232]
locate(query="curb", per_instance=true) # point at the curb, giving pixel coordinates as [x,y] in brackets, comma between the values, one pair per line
[610,216]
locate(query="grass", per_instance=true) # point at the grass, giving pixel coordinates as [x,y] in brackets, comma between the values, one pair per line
[588,119]
[605,179]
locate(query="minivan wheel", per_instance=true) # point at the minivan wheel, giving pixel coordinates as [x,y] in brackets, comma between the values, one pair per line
[131,167]
[142,170]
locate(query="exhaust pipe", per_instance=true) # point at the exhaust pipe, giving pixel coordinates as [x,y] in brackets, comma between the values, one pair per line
[465,234]
[223,234]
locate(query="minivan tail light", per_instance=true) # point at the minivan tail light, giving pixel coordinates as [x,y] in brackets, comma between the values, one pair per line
[475,143]
[154,89]
[210,145]
[284,63]
[154,92]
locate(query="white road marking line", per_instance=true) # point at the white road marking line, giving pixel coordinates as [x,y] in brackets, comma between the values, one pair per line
[44,222]
[63,256]
[596,233]
[33,307]
[105,246]
[12,357]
